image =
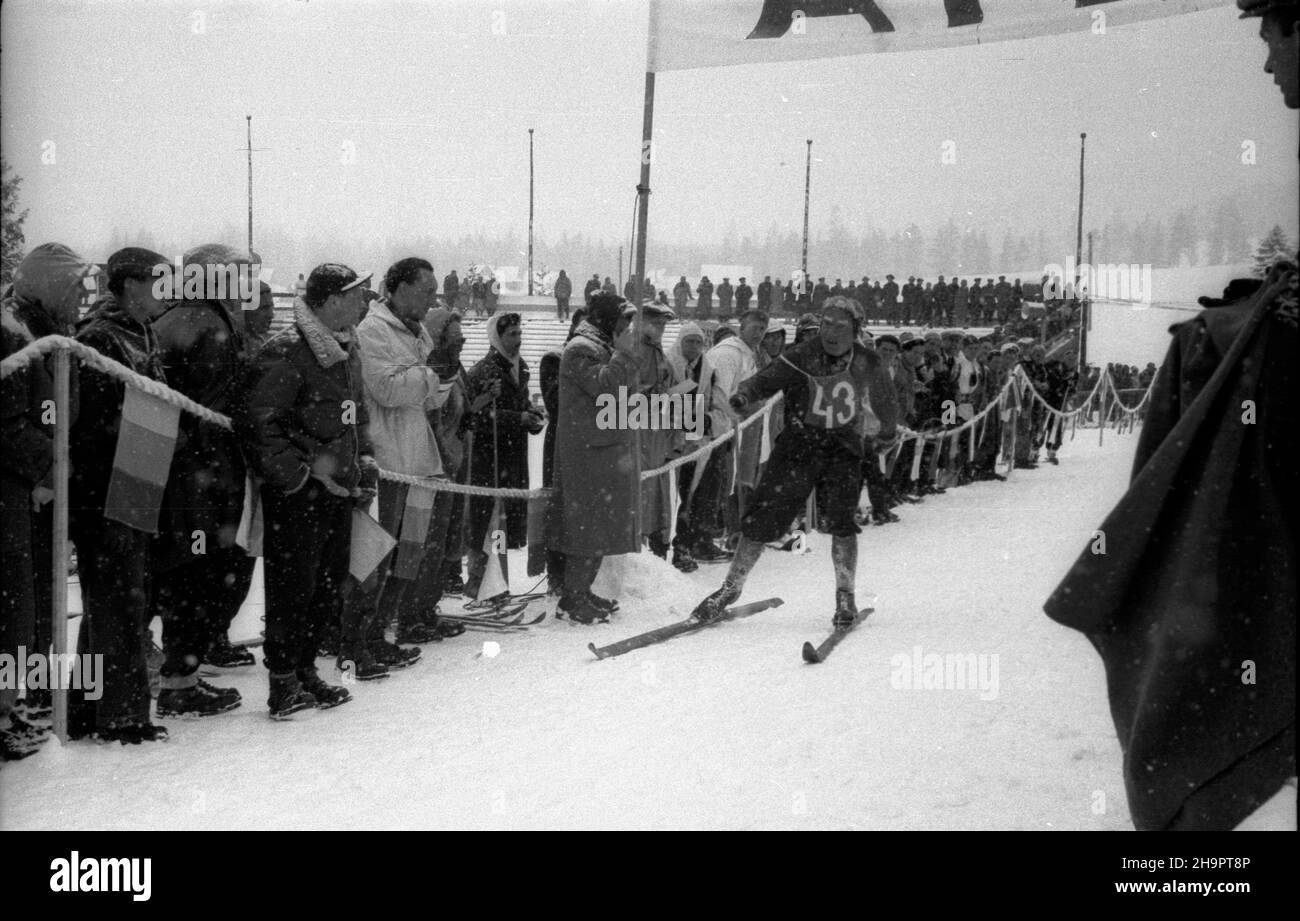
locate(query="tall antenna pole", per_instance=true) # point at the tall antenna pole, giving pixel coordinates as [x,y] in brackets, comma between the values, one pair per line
[530,212]
[250,182]
[1078,234]
[807,187]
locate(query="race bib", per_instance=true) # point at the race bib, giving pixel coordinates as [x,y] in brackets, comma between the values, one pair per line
[833,401]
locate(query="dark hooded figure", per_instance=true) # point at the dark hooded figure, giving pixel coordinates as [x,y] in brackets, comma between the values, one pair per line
[1192,604]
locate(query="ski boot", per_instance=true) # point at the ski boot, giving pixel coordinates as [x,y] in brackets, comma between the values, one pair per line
[132,733]
[394,656]
[607,605]
[224,655]
[327,695]
[288,697]
[683,560]
[198,699]
[581,610]
[846,610]
[713,607]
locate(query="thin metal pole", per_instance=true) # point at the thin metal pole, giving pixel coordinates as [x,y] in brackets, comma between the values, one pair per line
[530,212]
[807,190]
[1078,234]
[643,188]
[250,182]
[59,614]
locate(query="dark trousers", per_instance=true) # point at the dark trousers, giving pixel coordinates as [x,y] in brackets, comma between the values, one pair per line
[307,543]
[579,573]
[878,489]
[113,565]
[701,521]
[197,602]
[562,308]
[18,604]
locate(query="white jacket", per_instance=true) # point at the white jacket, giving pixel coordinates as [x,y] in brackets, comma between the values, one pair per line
[725,366]
[400,391]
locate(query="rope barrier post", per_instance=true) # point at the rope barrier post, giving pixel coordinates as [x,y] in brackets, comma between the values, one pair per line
[59,614]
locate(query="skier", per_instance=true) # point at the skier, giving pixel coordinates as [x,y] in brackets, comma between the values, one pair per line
[838,395]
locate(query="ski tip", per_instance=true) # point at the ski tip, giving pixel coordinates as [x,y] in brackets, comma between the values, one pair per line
[594,651]
[810,654]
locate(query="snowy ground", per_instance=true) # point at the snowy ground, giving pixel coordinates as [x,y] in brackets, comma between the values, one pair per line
[727,729]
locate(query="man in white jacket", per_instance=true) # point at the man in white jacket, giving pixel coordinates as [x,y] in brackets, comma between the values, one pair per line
[725,365]
[401,388]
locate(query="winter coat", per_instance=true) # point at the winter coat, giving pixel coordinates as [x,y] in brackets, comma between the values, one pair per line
[111,331]
[597,475]
[590,288]
[548,376]
[204,354]
[500,446]
[744,294]
[1199,573]
[401,390]
[563,287]
[450,288]
[725,366]
[725,293]
[304,407]
[681,294]
[704,298]
[765,295]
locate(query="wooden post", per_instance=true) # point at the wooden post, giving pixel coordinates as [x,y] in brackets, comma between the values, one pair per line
[59,614]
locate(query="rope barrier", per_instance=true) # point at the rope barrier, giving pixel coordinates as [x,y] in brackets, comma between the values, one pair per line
[48,344]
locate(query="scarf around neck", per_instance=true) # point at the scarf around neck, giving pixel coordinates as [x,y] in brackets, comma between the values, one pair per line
[328,347]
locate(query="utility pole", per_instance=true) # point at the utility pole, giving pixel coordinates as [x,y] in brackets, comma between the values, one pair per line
[807,188]
[249,118]
[530,212]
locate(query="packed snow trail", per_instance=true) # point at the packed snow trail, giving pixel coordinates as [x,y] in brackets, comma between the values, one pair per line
[725,729]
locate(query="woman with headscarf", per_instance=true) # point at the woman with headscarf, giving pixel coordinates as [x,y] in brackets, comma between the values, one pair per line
[593,508]
[42,301]
[499,452]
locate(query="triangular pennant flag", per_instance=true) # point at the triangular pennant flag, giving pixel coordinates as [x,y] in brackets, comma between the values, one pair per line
[146,440]
[414,532]
[494,581]
[370,545]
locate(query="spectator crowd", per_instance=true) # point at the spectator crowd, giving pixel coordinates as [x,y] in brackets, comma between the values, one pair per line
[362,402]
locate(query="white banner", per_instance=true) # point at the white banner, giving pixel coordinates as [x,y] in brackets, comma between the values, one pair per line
[687,34]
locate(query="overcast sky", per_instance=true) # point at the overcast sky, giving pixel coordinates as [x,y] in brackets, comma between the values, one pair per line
[141,109]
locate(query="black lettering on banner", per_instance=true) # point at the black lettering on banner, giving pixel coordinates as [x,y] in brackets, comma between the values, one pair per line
[777,15]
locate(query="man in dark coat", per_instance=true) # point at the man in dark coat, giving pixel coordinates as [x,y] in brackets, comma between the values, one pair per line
[725,294]
[42,302]
[765,295]
[563,290]
[451,289]
[1192,604]
[704,299]
[202,576]
[113,558]
[590,288]
[744,293]
[890,294]
[303,418]
[821,291]
[499,455]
